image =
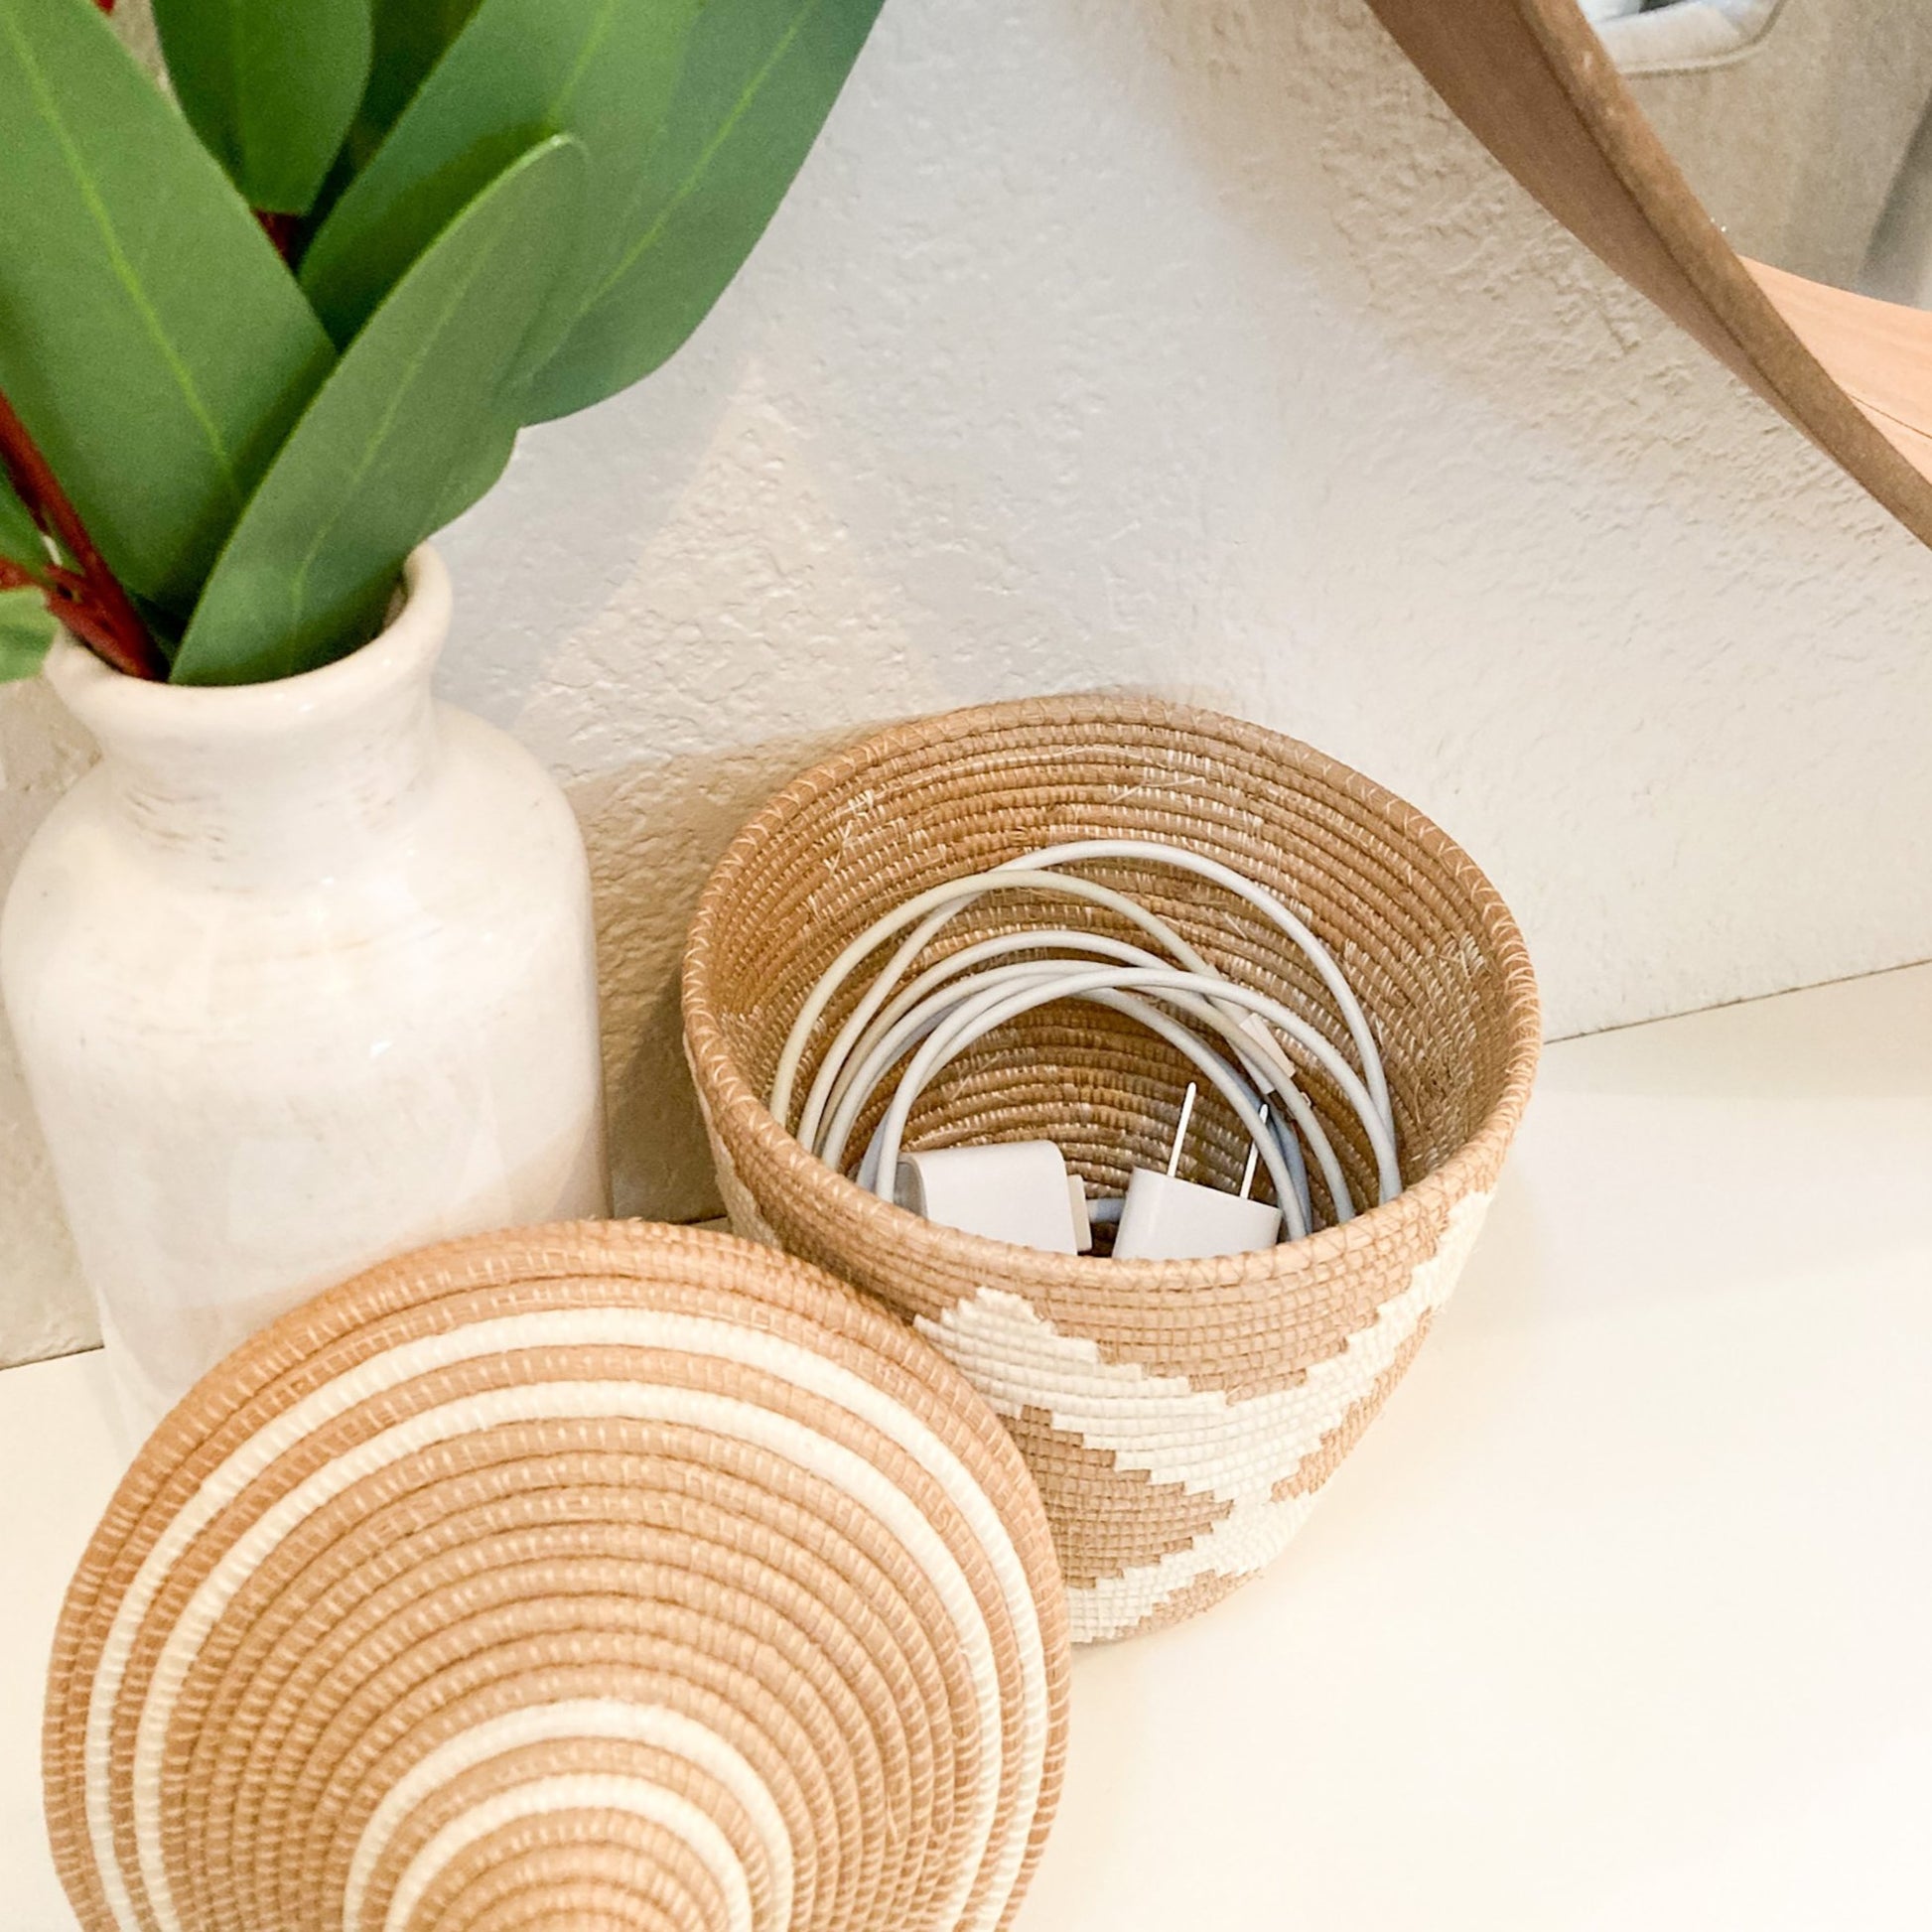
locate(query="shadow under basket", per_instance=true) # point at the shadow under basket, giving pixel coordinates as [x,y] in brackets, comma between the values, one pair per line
[1179,1416]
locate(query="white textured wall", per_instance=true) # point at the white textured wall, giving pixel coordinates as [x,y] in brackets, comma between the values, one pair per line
[1190,343]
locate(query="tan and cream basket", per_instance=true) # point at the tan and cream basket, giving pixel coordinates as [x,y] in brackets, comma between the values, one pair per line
[1179,1416]
[610,1578]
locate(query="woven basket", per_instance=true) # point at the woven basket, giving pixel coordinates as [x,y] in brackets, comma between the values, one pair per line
[1179,1416]
[610,1579]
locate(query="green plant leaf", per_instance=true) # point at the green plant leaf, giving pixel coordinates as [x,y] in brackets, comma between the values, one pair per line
[20,537]
[368,472]
[150,336]
[27,633]
[601,71]
[411,36]
[759,80]
[271,87]
[481,466]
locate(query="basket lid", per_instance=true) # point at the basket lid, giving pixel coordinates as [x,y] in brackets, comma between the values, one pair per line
[599,1575]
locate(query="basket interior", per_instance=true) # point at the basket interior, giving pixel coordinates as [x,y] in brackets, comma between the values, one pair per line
[1422,938]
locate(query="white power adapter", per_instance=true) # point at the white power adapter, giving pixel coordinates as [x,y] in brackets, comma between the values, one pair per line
[1021,1192]
[1166,1218]
[1014,1190]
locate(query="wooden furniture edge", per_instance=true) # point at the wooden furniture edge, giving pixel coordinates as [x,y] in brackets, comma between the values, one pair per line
[1532,81]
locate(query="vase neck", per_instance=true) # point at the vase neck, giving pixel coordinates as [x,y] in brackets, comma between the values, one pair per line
[249,807]
[286,778]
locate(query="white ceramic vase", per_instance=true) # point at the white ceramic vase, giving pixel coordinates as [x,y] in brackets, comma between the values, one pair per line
[302,975]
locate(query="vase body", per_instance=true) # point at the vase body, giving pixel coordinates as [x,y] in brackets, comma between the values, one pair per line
[301,976]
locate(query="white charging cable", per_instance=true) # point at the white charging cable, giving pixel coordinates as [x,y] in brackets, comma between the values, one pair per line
[907,1018]
[952,1005]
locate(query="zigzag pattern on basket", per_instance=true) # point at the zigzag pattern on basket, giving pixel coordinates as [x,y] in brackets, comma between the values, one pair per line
[1177,1415]
[1245,1453]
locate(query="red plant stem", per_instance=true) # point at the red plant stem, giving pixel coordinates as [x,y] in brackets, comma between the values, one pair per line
[86,624]
[94,606]
[284,230]
[56,591]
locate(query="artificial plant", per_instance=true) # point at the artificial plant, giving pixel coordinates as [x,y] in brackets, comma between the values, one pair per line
[258,339]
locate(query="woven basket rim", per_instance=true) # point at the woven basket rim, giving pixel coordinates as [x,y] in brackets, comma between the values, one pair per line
[730,1097]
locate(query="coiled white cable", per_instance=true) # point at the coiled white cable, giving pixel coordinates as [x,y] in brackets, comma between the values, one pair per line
[980,1014]
[881,1155]
[934,908]
[951,1005]
[891,1035]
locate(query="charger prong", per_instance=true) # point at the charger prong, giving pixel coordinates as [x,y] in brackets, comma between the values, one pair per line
[1180,1130]
[1254,1160]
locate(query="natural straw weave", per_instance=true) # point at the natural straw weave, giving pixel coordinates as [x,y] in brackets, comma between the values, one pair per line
[616,1579]
[1179,1416]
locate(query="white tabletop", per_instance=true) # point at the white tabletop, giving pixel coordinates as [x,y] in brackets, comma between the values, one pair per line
[1616,1622]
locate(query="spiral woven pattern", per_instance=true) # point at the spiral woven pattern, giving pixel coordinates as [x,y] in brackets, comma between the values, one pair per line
[616,1579]
[1178,1417]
